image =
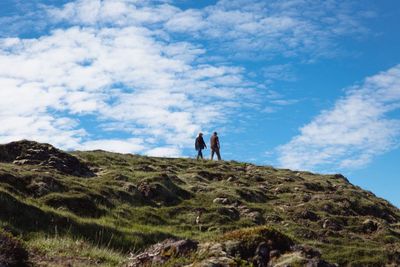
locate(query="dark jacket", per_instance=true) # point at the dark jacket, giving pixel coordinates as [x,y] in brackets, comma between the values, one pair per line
[214,142]
[199,143]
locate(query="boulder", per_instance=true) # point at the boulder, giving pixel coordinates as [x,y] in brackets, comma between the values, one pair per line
[32,153]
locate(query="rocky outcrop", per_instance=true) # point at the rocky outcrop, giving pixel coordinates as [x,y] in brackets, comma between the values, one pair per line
[160,253]
[259,247]
[32,153]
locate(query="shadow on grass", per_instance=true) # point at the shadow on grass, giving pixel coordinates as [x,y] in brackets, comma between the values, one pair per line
[26,218]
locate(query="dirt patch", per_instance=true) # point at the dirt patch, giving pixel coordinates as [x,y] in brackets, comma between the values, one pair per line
[12,251]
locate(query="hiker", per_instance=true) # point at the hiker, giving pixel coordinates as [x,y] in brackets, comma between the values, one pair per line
[200,145]
[214,141]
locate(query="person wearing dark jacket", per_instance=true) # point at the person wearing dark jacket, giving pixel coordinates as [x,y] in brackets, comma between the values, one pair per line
[200,145]
[215,146]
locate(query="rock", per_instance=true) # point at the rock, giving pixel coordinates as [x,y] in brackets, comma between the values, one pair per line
[314,186]
[331,225]
[300,256]
[274,254]
[33,153]
[212,249]
[256,217]
[231,213]
[274,218]
[231,179]
[215,262]
[261,257]
[231,247]
[307,251]
[145,189]
[252,214]
[161,252]
[340,176]
[306,198]
[129,187]
[222,200]
[121,177]
[146,168]
[370,226]
[308,215]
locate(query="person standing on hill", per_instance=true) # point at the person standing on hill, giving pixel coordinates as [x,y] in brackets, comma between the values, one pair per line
[200,145]
[215,146]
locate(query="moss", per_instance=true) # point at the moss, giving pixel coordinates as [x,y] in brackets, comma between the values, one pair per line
[255,235]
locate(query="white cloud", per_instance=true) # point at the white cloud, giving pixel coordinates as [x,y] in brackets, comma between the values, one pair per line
[131,145]
[119,63]
[257,29]
[354,131]
[171,152]
[121,75]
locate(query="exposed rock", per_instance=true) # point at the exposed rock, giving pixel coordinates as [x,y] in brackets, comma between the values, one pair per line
[259,247]
[300,256]
[146,168]
[314,186]
[161,189]
[207,175]
[306,198]
[331,225]
[340,176]
[161,252]
[254,215]
[370,226]
[129,187]
[261,257]
[145,189]
[231,179]
[230,212]
[222,201]
[252,195]
[308,215]
[274,254]
[33,153]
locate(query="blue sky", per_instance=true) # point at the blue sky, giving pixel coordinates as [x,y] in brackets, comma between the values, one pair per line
[310,85]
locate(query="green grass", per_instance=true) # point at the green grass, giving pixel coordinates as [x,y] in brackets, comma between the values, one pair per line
[107,217]
[66,248]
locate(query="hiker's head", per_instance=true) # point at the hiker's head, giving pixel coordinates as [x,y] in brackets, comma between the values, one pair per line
[200,134]
[215,133]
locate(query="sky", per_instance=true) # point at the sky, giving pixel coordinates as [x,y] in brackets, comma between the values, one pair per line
[300,84]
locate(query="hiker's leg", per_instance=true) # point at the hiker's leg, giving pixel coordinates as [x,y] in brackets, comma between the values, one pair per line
[218,154]
[200,153]
[212,154]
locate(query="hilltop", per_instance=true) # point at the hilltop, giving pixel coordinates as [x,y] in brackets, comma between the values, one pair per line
[97,208]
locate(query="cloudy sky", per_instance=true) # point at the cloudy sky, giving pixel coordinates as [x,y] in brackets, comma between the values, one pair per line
[301,84]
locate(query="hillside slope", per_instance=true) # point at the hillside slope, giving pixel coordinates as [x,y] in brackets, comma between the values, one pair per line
[94,208]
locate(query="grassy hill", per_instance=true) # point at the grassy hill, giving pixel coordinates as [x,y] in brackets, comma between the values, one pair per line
[98,208]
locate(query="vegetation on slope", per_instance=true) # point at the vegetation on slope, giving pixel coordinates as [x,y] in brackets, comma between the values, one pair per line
[125,203]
